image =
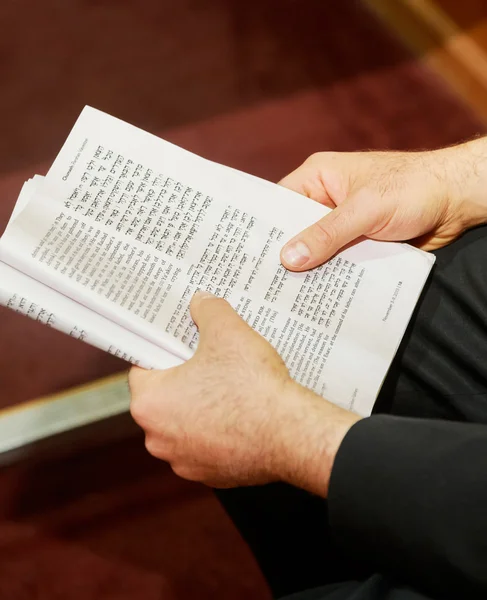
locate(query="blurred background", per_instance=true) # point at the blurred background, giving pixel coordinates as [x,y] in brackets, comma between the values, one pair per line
[255,85]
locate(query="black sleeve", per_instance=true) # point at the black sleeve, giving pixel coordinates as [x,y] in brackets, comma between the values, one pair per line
[410,495]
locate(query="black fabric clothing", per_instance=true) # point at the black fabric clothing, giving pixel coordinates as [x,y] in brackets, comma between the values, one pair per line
[407,510]
[376,586]
[413,493]
[373,588]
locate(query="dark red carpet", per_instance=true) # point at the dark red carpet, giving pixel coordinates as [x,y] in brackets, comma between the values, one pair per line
[256,85]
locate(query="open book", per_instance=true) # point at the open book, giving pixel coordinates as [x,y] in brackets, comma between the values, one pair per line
[111,245]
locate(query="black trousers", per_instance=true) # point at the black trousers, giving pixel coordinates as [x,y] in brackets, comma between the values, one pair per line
[440,371]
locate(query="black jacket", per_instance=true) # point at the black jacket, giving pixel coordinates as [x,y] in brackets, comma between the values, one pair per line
[410,496]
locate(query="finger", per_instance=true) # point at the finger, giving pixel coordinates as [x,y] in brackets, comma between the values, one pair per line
[148,391]
[136,376]
[318,243]
[213,316]
[306,180]
[139,378]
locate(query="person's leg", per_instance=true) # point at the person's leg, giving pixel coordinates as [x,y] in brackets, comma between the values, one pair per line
[440,371]
[376,587]
[287,530]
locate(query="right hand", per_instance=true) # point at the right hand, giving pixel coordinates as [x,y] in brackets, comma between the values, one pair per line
[232,415]
[428,198]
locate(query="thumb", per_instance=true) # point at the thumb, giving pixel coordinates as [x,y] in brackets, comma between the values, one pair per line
[318,243]
[213,316]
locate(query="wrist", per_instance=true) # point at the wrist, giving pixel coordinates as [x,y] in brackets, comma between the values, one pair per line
[308,439]
[464,171]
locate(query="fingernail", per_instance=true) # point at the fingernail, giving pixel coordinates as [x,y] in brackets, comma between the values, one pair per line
[296,254]
[202,294]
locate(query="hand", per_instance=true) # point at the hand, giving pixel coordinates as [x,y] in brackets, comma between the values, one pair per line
[428,197]
[232,415]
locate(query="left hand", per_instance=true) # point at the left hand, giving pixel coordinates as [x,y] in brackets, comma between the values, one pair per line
[232,415]
[429,198]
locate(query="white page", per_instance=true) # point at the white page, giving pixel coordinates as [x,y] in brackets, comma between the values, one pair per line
[337,327]
[27,296]
[31,298]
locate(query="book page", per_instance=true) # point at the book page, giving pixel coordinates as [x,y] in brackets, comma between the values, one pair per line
[28,297]
[139,224]
[37,301]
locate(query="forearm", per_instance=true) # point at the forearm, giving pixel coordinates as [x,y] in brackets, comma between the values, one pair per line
[463,169]
[307,439]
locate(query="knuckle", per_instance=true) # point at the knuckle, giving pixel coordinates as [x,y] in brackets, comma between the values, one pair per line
[335,227]
[159,443]
[152,446]
[324,233]
[314,158]
[133,378]
[323,159]
[187,472]
[138,410]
